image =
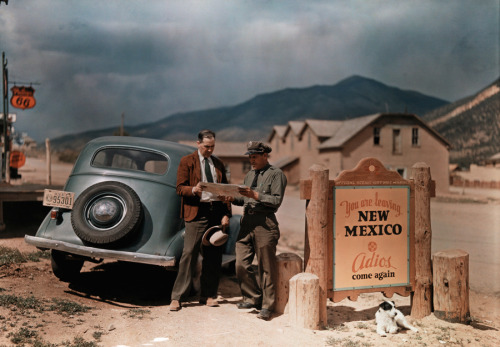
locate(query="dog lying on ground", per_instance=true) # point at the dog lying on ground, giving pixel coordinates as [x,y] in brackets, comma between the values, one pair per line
[389,319]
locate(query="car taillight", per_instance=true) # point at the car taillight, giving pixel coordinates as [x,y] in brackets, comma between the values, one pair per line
[54,213]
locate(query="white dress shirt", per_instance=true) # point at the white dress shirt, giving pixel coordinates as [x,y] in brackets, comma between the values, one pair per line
[207,196]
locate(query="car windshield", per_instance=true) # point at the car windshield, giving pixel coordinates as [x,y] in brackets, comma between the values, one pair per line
[131,159]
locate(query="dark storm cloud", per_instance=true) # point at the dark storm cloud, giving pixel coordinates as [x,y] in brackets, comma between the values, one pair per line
[98,59]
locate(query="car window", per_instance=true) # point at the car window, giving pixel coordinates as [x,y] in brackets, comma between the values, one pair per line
[131,159]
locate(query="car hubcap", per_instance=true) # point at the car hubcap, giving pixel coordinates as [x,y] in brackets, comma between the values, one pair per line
[105,212]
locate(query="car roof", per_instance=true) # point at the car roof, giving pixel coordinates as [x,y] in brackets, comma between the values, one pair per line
[173,150]
[140,142]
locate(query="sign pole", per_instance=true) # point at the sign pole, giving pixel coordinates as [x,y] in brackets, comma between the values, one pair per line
[5,115]
[317,234]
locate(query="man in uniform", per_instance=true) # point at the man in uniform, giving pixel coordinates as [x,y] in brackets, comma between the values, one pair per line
[200,211]
[259,231]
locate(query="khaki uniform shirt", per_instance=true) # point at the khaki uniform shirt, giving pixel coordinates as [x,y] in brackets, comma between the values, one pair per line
[271,185]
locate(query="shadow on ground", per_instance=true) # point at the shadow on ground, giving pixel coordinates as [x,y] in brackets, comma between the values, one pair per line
[136,284]
[125,283]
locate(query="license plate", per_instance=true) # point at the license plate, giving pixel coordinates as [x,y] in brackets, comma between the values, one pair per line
[58,198]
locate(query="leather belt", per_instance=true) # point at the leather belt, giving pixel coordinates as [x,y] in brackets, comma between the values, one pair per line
[210,203]
[251,212]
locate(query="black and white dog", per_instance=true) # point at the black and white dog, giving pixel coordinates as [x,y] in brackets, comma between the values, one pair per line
[389,319]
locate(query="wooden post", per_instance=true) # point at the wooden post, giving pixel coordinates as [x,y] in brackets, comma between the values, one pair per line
[7,167]
[48,161]
[304,301]
[421,298]
[317,233]
[451,286]
[289,264]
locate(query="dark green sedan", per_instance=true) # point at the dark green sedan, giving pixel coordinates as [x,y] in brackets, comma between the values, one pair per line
[119,202]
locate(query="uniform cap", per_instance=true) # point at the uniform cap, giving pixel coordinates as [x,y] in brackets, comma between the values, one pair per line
[257,147]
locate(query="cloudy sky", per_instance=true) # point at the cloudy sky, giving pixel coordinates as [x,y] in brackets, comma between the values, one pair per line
[94,60]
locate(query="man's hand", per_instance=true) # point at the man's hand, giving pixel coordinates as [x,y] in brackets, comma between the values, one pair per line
[249,193]
[224,198]
[197,189]
[225,221]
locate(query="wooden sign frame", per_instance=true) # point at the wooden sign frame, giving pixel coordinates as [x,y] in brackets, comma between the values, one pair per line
[370,174]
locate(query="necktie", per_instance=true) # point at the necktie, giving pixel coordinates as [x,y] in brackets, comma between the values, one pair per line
[208,172]
[254,182]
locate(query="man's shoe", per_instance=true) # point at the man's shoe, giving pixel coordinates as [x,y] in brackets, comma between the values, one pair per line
[175,305]
[264,314]
[211,302]
[245,305]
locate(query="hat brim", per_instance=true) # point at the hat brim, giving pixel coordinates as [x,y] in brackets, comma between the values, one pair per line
[218,241]
[254,152]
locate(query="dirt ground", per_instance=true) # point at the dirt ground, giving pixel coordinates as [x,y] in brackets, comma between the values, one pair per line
[121,304]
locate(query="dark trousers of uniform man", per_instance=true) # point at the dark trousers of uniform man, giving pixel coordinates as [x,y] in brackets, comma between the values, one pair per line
[208,216]
[259,235]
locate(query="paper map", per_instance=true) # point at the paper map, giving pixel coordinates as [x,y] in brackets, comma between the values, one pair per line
[218,189]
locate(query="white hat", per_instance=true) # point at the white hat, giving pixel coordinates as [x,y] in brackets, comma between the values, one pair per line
[214,236]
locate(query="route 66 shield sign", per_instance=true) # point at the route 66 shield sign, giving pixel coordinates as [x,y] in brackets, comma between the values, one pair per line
[22,97]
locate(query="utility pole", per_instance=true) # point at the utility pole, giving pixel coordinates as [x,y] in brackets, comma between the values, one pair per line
[5,116]
[122,132]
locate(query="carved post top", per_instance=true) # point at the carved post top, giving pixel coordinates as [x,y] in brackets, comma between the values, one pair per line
[421,175]
[369,171]
[317,167]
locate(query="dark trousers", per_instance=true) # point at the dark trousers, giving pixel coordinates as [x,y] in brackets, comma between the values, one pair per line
[207,217]
[259,234]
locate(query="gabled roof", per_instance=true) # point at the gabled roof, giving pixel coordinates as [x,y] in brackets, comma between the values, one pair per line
[294,126]
[281,163]
[352,127]
[278,130]
[495,157]
[323,128]
[347,129]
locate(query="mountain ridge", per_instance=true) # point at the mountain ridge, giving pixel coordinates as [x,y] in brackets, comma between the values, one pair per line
[470,124]
[253,119]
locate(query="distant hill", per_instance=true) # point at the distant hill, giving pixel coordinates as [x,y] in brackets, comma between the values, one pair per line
[471,125]
[353,97]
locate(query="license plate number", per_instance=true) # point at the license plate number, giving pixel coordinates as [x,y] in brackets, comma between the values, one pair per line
[58,198]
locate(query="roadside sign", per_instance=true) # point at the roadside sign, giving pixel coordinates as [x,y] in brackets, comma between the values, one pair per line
[17,159]
[22,97]
[373,232]
[371,237]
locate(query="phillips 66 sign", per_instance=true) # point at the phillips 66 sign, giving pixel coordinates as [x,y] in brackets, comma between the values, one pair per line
[22,97]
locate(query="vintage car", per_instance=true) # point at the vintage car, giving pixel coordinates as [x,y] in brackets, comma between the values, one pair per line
[119,202]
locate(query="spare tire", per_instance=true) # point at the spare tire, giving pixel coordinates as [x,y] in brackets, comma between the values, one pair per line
[106,213]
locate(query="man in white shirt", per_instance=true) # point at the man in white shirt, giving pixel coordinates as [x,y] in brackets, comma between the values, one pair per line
[200,211]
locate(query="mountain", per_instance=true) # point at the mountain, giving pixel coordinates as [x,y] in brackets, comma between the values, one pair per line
[254,119]
[471,125]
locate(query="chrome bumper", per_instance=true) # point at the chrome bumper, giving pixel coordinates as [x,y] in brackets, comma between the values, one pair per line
[100,253]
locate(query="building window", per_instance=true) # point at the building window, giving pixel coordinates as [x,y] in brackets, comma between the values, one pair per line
[277,144]
[414,137]
[291,142]
[376,136]
[401,171]
[309,140]
[396,141]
